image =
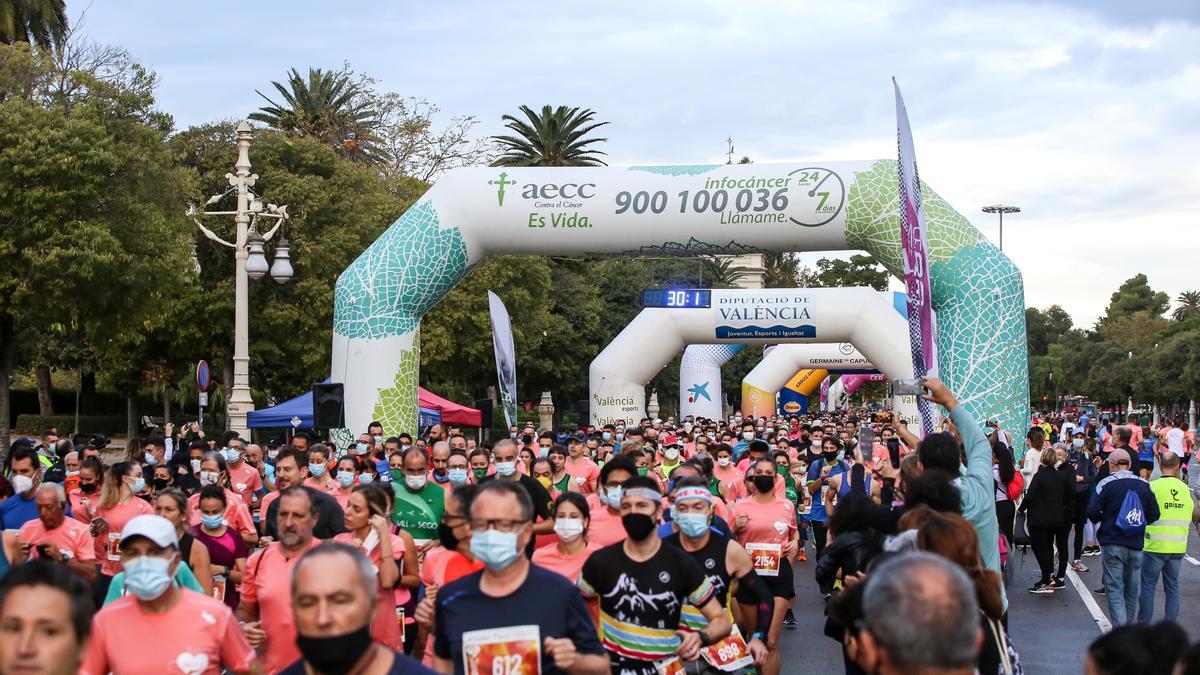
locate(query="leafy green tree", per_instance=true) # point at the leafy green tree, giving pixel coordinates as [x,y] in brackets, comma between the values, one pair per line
[328,106]
[553,137]
[783,270]
[859,270]
[1189,306]
[39,22]
[1134,296]
[1045,328]
[96,240]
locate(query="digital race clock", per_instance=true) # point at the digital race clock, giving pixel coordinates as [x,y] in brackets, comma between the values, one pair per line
[672,298]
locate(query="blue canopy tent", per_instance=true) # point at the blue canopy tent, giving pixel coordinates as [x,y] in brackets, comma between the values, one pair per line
[280,416]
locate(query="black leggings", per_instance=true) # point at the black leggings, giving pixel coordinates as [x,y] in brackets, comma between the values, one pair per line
[1005,511]
[1042,540]
[818,537]
[1061,537]
[1081,507]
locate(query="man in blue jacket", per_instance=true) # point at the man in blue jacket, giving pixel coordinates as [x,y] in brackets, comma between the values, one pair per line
[1121,543]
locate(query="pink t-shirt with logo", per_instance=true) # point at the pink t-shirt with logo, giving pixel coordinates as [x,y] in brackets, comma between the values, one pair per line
[583,468]
[83,507]
[245,481]
[771,523]
[116,517]
[72,536]
[197,636]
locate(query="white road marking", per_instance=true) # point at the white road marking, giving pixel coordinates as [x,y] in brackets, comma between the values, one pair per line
[1191,560]
[1088,601]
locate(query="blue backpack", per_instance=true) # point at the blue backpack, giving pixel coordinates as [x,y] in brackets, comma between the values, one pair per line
[1131,519]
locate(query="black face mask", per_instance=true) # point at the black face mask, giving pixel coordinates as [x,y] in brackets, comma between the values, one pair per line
[161,483]
[446,537]
[764,484]
[338,654]
[637,525]
[87,488]
[830,457]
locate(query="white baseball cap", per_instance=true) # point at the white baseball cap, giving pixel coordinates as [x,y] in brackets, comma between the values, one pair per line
[155,528]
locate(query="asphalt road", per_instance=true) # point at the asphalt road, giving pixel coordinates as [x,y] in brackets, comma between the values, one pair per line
[1051,632]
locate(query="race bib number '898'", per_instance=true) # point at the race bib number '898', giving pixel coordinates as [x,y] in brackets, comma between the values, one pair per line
[516,650]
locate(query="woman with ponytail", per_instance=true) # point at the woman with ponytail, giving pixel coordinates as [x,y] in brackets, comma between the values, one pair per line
[952,537]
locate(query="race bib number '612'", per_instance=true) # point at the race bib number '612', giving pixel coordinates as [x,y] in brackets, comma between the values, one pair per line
[516,650]
[766,558]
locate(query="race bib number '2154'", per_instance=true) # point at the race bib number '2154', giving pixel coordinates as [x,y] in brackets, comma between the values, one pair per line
[516,650]
[765,558]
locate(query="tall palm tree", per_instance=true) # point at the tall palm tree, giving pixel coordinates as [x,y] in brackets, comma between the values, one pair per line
[721,269]
[554,137]
[1189,305]
[327,106]
[39,22]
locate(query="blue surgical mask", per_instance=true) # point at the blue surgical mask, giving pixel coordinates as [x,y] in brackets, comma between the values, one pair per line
[495,549]
[147,577]
[316,470]
[607,435]
[360,449]
[232,455]
[139,484]
[691,524]
[506,468]
[543,451]
[150,459]
[612,496]
[457,476]
[212,522]
[345,478]
[365,478]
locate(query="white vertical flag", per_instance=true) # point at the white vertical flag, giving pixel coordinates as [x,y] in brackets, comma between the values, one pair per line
[506,357]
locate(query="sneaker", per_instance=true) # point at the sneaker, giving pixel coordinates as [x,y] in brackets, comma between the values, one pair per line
[1057,583]
[802,555]
[1099,591]
[1041,588]
[789,619]
[1092,551]
[1078,566]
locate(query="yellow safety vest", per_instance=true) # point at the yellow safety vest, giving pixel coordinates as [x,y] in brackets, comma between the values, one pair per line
[1169,533]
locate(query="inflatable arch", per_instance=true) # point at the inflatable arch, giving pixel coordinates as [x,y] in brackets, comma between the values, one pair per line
[788,363]
[473,213]
[757,402]
[700,380]
[794,396]
[859,319]
[845,387]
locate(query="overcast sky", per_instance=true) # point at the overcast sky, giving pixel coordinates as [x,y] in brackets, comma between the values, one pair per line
[1084,114]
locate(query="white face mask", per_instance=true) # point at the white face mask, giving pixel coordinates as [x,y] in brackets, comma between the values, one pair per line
[195,465]
[723,461]
[415,482]
[748,435]
[568,529]
[671,453]
[22,484]
[208,477]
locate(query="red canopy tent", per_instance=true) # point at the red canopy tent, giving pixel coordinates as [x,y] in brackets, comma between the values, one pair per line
[452,413]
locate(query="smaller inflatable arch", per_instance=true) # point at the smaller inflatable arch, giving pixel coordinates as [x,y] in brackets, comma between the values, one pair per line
[782,367]
[700,392]
[860,316]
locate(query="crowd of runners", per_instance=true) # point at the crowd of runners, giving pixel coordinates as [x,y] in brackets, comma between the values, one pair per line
[642,547]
